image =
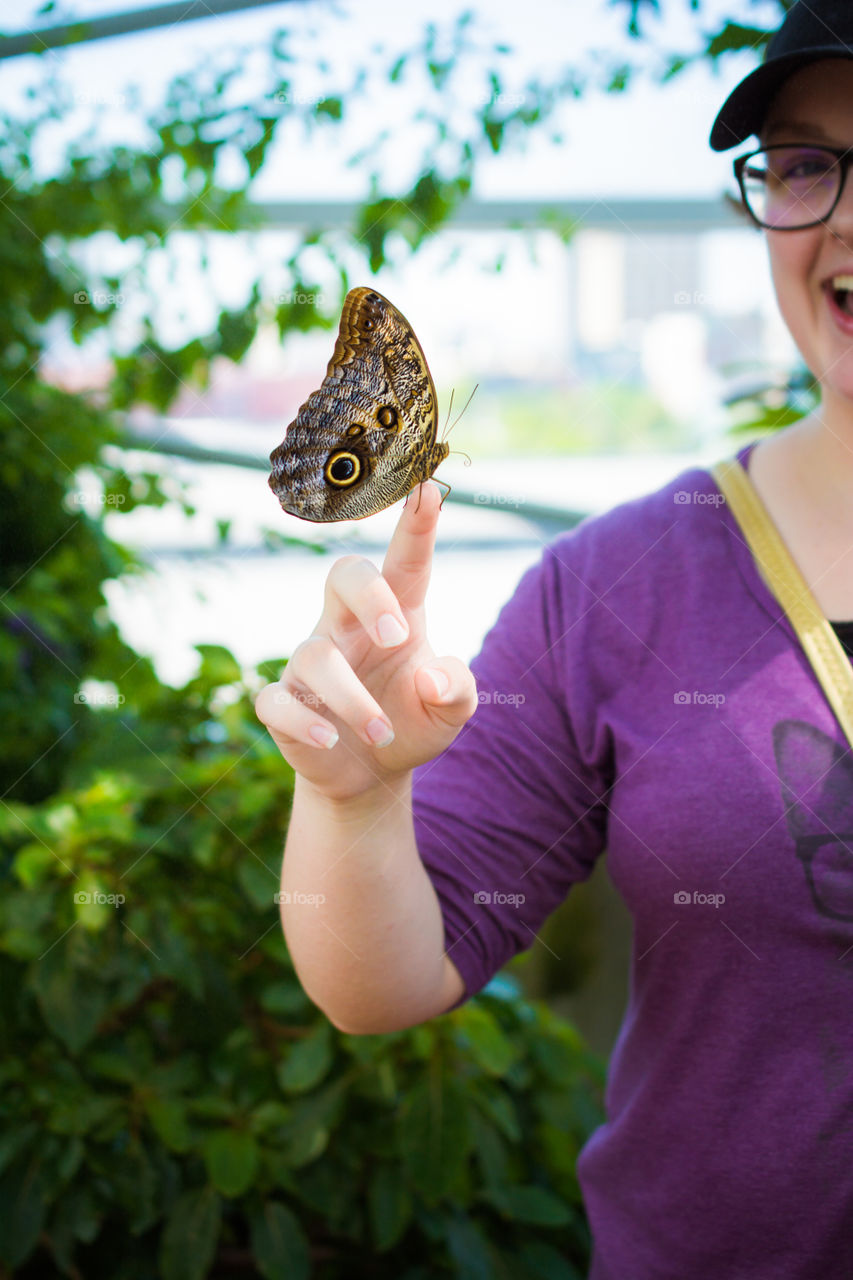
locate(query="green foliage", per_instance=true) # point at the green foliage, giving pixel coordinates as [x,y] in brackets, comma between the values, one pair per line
[723,37]
[166,1079]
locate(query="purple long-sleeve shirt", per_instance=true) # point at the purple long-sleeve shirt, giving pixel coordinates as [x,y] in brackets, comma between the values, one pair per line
[644,692]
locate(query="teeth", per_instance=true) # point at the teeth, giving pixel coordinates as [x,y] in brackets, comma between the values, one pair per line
[842,282]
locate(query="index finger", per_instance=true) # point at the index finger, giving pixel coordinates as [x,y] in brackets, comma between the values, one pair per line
[408,560]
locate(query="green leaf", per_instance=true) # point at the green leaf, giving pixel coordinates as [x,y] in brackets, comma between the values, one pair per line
[469,1250]
[169,1119]
[307,1062]
[71,1114]
[489,1047]
[93,906]
[279,1245]
[434,1135]
[733,37]
[494,131]
[70,1160]
[212,1107]
[14,1140]
[389,1206]
[541,1261]
[313,1121]
[112,1066]
[530,1204]
[23,1207]
[491,1151]
[74,1218]
[282,998]
[557,1055]
[189,1238]
[269,1115]
[236,331]
[231,1156]
[218,666]
[23,918]
[500,1108]
[259,881]
[34,864]
[333,108]
[72,1002]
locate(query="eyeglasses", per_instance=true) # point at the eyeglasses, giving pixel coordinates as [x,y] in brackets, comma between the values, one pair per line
[790,186]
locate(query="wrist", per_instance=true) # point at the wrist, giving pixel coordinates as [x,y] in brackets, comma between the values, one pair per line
[370,802]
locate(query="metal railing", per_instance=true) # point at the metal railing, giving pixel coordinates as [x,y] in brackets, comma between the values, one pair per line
[39,39]
[546,517]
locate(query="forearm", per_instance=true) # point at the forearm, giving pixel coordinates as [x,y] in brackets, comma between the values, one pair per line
[361,918]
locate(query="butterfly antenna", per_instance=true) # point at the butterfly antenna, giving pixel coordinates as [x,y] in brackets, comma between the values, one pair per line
[459,415]
[447,419]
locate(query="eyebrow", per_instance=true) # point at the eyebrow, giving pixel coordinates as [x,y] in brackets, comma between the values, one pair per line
[802,127]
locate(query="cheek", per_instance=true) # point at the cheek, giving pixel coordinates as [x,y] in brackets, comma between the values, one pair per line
[792,257]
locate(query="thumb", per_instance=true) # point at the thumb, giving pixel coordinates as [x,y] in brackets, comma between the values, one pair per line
[446,684]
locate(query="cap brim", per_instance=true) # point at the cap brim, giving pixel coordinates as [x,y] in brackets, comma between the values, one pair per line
[743,111]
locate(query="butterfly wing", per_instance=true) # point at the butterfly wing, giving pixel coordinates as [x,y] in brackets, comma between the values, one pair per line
[367,436]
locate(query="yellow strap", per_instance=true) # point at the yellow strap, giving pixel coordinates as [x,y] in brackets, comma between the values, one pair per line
[831,664]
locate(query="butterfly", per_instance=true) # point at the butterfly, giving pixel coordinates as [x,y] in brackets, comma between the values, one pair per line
[367,436]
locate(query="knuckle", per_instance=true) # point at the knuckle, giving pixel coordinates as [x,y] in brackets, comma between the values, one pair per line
[410,566]
[308,652]
[261,703]
[271,703]
[286,702]
[464,686]
[344,567]
[303,702]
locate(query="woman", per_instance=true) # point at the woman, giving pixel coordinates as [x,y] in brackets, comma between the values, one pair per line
[642,691]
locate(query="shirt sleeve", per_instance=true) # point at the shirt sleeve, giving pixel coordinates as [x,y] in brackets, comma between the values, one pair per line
[514,812]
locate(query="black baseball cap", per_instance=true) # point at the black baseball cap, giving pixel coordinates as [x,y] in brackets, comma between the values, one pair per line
[812,29]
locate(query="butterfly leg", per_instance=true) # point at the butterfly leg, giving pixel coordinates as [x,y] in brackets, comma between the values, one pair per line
[435,480]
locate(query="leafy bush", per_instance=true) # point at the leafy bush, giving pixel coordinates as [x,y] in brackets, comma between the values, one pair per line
[172,1099]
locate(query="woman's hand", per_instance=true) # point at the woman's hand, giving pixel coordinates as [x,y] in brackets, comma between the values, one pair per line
[363,699]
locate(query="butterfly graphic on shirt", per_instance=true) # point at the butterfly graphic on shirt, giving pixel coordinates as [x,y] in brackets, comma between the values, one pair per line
[816,776]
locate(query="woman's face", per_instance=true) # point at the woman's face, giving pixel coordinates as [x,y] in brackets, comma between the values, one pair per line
[816,105]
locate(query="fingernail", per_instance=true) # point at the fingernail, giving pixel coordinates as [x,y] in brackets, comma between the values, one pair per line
[389,630]
[380,732]
[439,679]
[323,735]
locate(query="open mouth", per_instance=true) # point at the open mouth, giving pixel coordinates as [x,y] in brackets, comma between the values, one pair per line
[841,291]
[844,300]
